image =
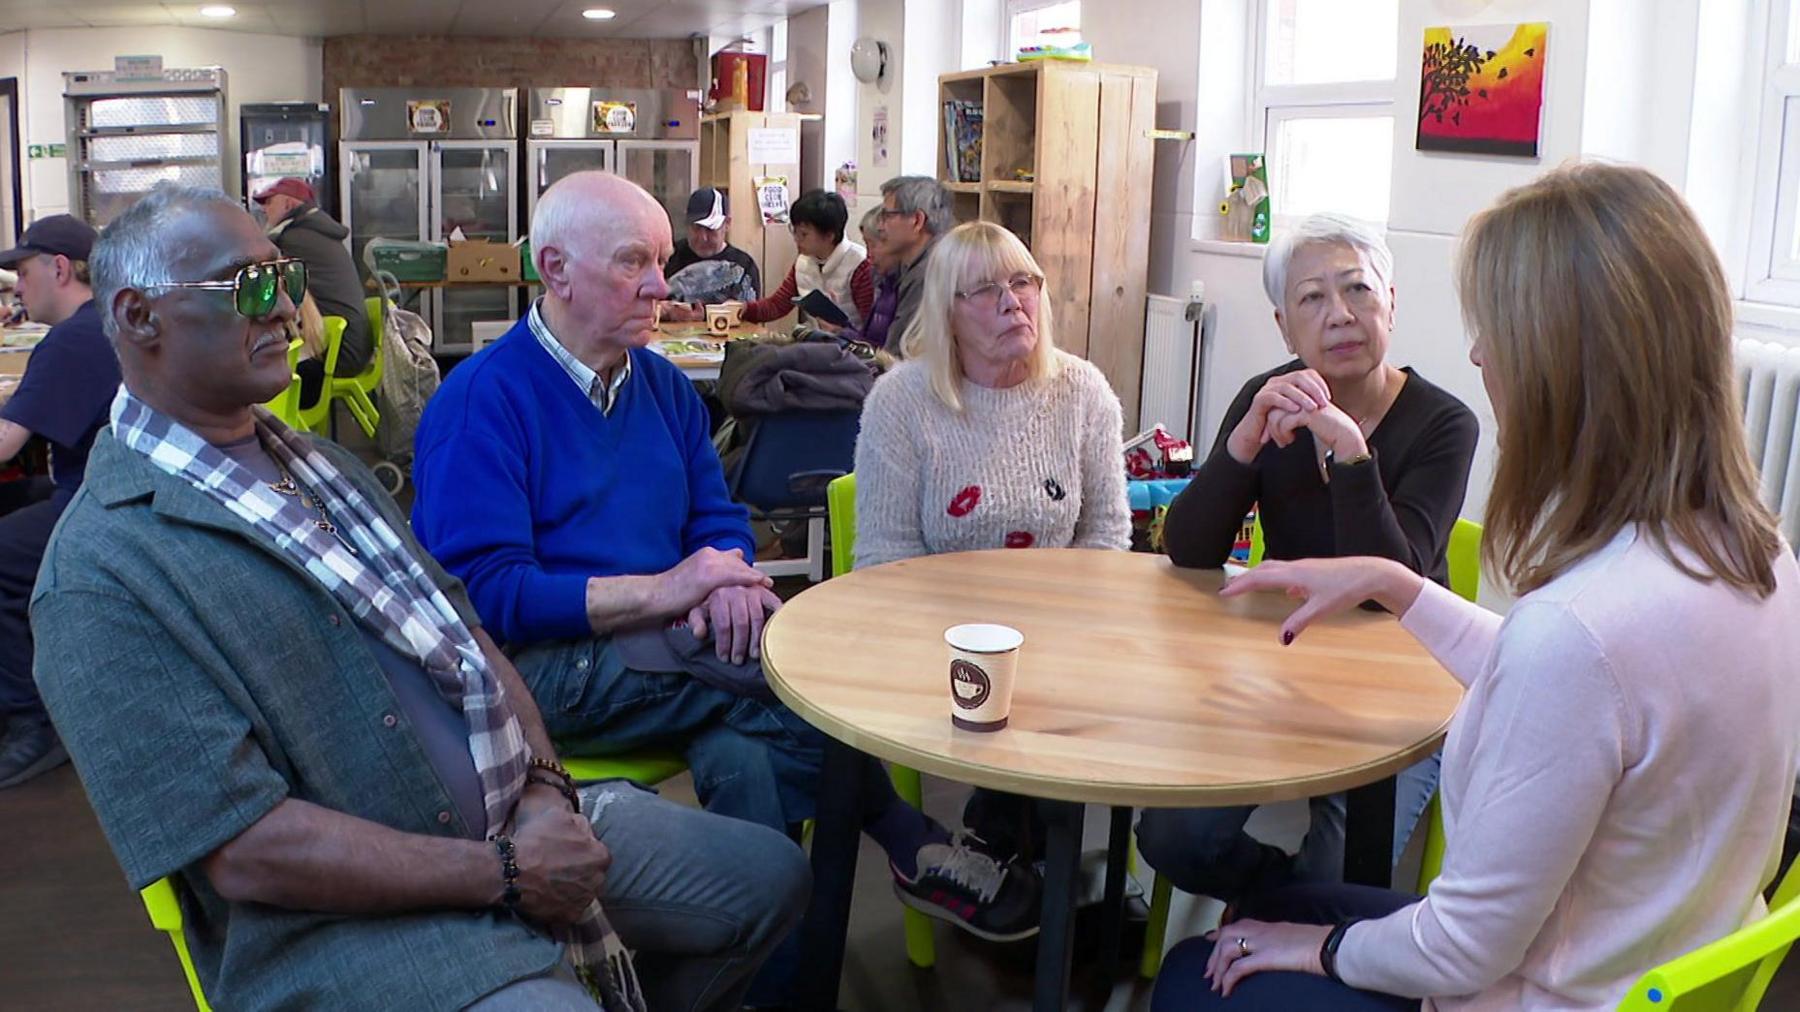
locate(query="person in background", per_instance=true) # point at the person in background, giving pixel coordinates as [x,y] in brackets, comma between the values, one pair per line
[63,398]
[988,436]
[566,473]
[877,326]
[303,231]
[915,212]
[705,268]
[1342,454]
[1617,776]
[828,263]
[353,794]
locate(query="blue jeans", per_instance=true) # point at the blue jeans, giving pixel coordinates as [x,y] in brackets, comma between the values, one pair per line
[751,759]
[1182,984]
[1205,851]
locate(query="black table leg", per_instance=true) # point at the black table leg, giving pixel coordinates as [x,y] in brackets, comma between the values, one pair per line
[1369,834]
[1112,916]
[1056,937]
[834,846]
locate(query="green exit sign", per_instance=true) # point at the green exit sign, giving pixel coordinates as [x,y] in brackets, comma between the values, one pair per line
[46,150]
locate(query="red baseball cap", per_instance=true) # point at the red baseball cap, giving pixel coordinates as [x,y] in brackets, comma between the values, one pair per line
[295,188]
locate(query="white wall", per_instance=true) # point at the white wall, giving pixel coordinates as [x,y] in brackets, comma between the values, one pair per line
[259,68]
[883,20]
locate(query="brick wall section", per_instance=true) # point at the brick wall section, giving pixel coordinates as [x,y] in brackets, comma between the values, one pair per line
[383,61]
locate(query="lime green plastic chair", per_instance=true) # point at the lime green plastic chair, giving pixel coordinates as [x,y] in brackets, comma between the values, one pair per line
[1729,975]
[1464,557]
[356,390]
[840,511]
[318,417]
[165,914]
[286,405]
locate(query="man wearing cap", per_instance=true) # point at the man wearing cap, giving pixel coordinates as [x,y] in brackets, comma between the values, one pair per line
[63,397]
[300,229]
[705,268]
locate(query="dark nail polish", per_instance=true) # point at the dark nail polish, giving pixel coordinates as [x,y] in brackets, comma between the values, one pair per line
[1287,638]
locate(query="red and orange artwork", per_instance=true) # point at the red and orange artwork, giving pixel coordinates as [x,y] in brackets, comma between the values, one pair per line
[1481,89]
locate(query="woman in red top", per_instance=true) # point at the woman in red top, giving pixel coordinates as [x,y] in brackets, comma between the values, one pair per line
[828,263]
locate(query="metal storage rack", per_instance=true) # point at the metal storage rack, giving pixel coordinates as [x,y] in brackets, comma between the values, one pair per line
[127,135]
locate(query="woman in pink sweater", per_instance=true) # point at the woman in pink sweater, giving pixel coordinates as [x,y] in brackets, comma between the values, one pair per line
[1617,780]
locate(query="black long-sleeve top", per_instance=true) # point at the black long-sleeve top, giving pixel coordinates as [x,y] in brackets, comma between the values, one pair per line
[1401,505]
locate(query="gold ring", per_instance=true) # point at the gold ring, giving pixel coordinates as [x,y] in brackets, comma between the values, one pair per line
[1243,946]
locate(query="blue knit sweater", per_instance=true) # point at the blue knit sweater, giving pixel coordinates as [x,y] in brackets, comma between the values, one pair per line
[525,490]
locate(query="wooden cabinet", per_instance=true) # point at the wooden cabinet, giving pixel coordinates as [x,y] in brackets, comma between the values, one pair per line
[1066,164]
[725,153]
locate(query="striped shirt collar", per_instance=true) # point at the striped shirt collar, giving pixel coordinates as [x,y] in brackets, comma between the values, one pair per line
[602,395]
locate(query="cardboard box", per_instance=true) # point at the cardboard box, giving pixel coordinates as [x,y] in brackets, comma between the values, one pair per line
[478,260]
[12,361]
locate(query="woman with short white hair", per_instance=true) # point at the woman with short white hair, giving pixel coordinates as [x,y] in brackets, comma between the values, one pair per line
[987,436]
[1341,453]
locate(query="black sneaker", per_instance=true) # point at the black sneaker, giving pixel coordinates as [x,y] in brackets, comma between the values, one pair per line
[29,747]
[989,899]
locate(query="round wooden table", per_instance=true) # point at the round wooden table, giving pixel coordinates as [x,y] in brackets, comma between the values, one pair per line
[1137,686]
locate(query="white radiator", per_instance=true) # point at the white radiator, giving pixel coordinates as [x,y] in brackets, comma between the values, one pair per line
[1171,367]
[1769,384]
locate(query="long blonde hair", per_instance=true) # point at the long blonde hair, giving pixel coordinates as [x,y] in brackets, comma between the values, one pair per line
[970,254]
[1595,294]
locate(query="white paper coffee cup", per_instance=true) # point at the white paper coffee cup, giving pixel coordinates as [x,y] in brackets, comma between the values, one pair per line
[984,659]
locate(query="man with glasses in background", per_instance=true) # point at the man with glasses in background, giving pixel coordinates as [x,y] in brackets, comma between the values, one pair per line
[63,398]
[915,212]
[276,699]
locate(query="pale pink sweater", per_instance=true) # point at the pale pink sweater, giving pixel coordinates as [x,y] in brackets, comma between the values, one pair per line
[1615,786]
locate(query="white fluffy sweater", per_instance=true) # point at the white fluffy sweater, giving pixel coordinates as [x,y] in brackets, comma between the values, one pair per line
[1039,465]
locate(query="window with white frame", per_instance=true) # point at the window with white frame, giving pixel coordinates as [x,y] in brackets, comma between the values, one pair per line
[1774,268]
[778,64]
[1324,104]
[1041,22]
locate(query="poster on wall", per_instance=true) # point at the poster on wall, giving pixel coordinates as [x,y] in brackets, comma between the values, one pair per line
[772,198]
[878,138]
[1481,89]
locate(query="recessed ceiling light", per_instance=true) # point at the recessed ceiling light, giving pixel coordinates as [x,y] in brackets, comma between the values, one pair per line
[599,14]
[218,11]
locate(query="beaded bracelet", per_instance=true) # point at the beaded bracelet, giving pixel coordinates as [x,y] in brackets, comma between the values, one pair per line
[1328,950]
[567,790]
[509,872]
[554,767]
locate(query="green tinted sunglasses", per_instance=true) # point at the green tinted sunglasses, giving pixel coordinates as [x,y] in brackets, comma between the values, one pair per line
[256,287]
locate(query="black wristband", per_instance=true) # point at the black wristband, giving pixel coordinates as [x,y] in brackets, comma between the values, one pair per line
[563,787]
[1328,950]
[509,872]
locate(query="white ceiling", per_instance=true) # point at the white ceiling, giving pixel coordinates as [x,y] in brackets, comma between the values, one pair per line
[637,19]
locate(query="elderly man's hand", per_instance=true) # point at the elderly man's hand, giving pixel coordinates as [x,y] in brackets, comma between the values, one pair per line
[562,867]
[705,571]
[735,616]
[681,312]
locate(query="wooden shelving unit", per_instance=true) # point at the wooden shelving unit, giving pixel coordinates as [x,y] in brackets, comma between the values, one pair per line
[1066,164]
[725,163]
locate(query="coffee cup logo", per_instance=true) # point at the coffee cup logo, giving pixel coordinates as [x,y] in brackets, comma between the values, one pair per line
[969,685]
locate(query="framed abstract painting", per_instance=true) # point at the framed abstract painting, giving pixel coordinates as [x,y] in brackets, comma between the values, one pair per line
[1481,89]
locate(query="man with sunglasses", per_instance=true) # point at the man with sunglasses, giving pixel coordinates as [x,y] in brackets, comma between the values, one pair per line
[277,700]
[62,398]
[915,212]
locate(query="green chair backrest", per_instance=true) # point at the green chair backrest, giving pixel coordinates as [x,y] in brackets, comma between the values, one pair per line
[1729,975]
[370,377]
[318,417]
[840,507]
[165,915]
[1464,556]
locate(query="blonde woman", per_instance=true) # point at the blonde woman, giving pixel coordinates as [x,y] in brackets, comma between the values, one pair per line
[1616,781]
[987,436]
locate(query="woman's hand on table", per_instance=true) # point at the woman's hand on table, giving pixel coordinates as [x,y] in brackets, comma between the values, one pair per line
[1295,393]
[1242,948]
[1328,586]
[681,312]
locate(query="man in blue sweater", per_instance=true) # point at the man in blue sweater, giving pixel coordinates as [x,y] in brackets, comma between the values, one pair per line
[566,474]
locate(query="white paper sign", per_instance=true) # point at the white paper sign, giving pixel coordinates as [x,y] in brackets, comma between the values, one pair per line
[137,68]
[774,146]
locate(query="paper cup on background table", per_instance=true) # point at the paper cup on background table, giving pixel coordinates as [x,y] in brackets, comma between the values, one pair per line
[984,659]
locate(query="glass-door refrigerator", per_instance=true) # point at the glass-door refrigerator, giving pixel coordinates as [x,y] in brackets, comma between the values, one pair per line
[422,163]
[651,137]
[284,140]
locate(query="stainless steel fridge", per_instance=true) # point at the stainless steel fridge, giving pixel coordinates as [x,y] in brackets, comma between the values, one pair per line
[283,140]
[421,163]
[651,137]
[129,132]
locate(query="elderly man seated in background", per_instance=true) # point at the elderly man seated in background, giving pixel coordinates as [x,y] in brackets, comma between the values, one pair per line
[302,230]
[915,213]
[277,699]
